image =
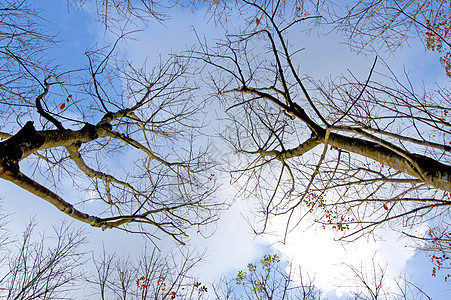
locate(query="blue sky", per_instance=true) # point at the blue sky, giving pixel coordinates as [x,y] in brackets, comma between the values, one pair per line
[233,245]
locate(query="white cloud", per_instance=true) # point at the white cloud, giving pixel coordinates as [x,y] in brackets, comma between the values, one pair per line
[318,254]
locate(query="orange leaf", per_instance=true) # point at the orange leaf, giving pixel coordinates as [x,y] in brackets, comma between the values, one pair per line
[62,106]
[257,21]
[385,206]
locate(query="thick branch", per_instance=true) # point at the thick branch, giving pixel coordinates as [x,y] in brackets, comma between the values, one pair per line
[28,140]
[427,169]
[24,142]
[35,188]
[422,167]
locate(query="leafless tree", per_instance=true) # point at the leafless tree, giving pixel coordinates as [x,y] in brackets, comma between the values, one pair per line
[152,276]
[370,282]
[353,154]
[44,267]
[127,137]
[57,266]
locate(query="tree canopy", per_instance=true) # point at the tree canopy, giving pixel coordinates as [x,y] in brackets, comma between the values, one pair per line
[350,154]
